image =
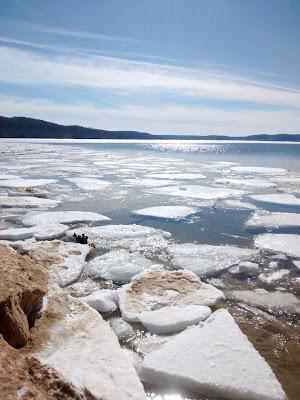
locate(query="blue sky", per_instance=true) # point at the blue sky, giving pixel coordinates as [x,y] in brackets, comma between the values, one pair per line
[161,66]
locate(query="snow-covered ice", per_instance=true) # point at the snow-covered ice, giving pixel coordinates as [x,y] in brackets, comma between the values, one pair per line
[102,300]
[177,175]
[288,244]
[215,359]
[205,260]
[118,265]
[277,198]
[197,192]
[8,176]
[16,233]
[173,318]
[156,289]
[238,204]
[246,183]
[260,170]
[16,183]
[40,232]
[80,345]
[90,183]
[245,268]
[264,219]
[27,202]
[170,212]
[64,217]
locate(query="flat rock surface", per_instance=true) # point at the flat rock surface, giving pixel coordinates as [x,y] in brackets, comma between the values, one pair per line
[23,284]
[215,359]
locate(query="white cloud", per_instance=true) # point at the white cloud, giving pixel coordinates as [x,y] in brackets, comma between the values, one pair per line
[167,119]
[130,77]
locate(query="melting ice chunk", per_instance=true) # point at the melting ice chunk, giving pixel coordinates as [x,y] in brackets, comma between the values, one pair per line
[90,183]
[277,198]
[170,212]
[288,244]
[65,217]
[273,220]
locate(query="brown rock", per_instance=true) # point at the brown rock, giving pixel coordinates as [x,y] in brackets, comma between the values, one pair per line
[22,286]
[24,378]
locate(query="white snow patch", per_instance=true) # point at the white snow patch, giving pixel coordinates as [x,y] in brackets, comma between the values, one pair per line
[288,244]
[205,259]
[170,212]
[215,359]
[173,318]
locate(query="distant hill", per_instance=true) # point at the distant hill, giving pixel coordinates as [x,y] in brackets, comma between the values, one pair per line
[22,127]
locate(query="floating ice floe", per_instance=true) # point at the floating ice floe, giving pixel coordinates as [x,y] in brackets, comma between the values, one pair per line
[148,182]
[27,202]
[290,179]
[22,183]
[80,345]
[264,219]
[245,268]
[270,301]
[121,328]
[238,204]
[16,233]
[246,183]
[297,263]
[184,176]
[40,232]
[205,260]
[65,259]
[277,198]
[288,244]
[260,170]
[133,237]
[270,277]
[147,344]
[64,217]
[173,318]
[156,289]
[198,192]
[8,176]
[28,192]
[90,183]
[169,212]
[215,359]
[118,265]
[102,300]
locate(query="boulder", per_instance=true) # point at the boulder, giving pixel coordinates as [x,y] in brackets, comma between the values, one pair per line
[22,286]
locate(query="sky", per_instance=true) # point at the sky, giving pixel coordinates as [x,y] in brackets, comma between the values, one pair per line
[159,66]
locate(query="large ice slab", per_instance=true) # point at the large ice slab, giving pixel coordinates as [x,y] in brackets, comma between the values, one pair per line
[215,359]
[40,232]
[197,192]
[90,183]
[264,219]
[205,260]
[156,289]
[277,198]
[169,212]
[80,345]
[16,233]
[288,244]
[27,202]
[26,182]
[238,204]
[118,265]
[8,176]
[64,217]
[179,175]
[246,183]
[260,170]
[173,318]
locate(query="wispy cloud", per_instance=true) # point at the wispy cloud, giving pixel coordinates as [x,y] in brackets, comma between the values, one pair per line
[77,34]
[130,77]
[156,119]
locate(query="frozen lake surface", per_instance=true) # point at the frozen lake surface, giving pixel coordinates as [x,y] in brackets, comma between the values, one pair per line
[205,207]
